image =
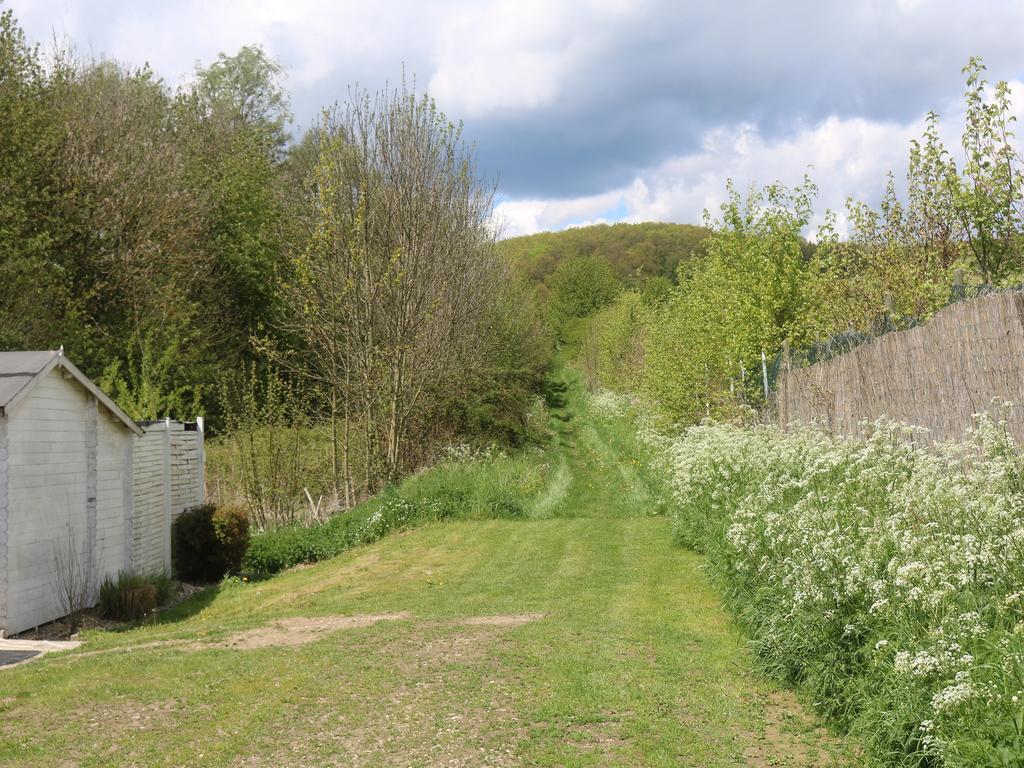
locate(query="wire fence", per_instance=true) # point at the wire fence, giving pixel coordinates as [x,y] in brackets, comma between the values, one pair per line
[847,341]
[937,373]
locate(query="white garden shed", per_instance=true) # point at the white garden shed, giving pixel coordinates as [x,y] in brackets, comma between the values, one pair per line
[79,480]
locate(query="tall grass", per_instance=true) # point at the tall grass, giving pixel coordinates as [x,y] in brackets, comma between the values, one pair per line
[470,485]
[884,579]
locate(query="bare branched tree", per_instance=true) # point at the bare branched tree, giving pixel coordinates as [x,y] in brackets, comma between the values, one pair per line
[73,580]
[393,285]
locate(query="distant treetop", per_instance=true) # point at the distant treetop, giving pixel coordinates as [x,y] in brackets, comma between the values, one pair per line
[634,252]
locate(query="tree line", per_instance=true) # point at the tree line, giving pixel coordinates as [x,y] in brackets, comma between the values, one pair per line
[761,285]
[579,270]
[194,256]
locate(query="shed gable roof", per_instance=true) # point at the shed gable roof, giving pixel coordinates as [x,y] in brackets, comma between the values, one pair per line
[19,371]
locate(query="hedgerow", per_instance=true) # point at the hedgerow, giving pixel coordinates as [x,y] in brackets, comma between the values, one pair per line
[478,485]
[885,579]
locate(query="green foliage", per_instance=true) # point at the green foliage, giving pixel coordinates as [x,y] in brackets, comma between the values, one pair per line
[758,285]
[746,295]
[149,382]
[986,196]
[491,402]
[231,530]
[635,252]
[612,352]
[132,596]
[36,303]
[270,451]
[140,225]
[482,486]
[175,244]
[246,91]
[579,287]
[209,542]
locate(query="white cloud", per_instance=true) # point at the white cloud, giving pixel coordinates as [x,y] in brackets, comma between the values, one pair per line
[844,157]
[524,217]
[642,105]
[517,54]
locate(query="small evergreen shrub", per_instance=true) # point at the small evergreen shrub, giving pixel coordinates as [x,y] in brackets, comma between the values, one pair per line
[208,543]
[132,596]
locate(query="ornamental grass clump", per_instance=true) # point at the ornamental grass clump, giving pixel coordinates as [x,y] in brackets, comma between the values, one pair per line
[886,579]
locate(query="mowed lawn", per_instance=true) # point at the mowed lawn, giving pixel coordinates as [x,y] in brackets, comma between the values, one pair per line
[569,641]
[585,642]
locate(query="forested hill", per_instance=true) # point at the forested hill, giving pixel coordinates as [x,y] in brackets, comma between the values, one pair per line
[646,250]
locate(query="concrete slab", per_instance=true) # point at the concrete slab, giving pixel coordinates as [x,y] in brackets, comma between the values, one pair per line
[15,652]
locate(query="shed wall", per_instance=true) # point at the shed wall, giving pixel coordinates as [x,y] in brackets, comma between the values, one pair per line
[57,507]
[3,522]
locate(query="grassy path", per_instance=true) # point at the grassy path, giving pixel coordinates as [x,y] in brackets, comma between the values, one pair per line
[578,638]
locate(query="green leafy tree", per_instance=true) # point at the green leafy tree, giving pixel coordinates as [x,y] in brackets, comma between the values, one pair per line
[37,305]
[579,287]
[245,91]
[986,193]
[635,252]
[749,293]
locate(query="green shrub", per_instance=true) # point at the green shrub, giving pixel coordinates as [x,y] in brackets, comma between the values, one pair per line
[231,529]
[209,542]
[273,551]
[132,596]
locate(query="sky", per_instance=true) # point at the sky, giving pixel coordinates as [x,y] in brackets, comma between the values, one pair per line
[589,111]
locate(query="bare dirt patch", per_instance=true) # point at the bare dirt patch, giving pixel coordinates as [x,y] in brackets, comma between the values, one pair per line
[446,702]
[790,737]
[299,630]
[292,631]
[135,716]
[506,620]
[603,737]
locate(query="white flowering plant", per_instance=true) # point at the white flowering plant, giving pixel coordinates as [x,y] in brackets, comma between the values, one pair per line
[885,578]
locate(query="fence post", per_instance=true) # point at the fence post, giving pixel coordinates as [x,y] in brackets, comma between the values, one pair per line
[167,493]
[201,456]
[783,383]
[764,374]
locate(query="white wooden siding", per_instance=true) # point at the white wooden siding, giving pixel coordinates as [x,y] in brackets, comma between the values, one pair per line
[149,524]
[168,479]
[3,522]
[111,510]
[47,468]
[72,475]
